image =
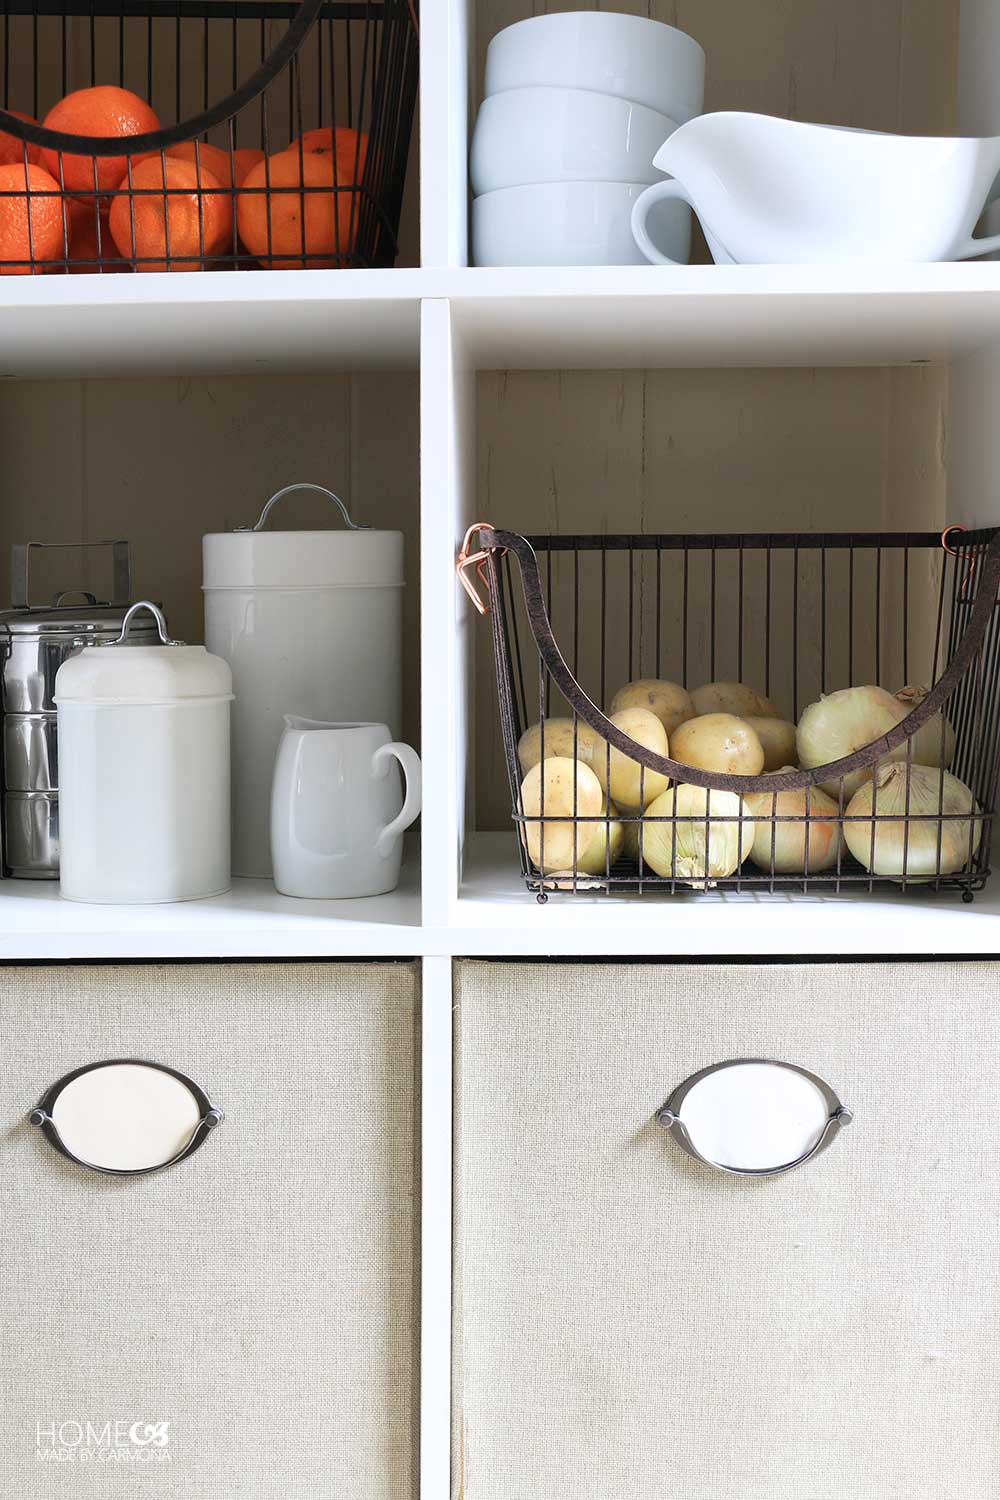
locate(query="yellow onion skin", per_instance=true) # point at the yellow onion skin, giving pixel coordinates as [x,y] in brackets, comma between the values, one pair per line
[604,848]
[790,838]
[934,742]
[842,722]
[931,792]
[679,849]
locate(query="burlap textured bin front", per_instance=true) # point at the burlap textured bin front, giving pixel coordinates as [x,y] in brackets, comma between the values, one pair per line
[632,1325]
[257,1298]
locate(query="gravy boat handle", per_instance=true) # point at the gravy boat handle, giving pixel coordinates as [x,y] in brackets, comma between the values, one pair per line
[669,188]
[972,246]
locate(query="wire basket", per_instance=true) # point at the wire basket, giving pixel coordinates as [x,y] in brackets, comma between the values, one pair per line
[287,148]
[796,616]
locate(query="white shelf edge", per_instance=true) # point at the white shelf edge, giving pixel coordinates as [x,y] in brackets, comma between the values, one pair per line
[250,921]
[496,915]
[514,317]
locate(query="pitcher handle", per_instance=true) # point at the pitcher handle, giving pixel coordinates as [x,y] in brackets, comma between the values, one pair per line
[669,188]
[409,760]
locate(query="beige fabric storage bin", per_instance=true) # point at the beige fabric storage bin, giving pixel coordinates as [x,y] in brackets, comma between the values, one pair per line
[633,1325]
[258,1297]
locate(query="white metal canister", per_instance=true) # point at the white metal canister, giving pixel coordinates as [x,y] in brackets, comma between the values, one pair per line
[310,623]
[144,770]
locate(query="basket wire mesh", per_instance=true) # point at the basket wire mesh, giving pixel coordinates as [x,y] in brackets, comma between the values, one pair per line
[798,616]
[232,74]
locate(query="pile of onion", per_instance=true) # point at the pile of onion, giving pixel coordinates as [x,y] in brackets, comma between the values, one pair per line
[811,841]
[925,823]
[709,840]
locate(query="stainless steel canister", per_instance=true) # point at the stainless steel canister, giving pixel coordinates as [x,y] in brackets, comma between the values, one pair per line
[35,640]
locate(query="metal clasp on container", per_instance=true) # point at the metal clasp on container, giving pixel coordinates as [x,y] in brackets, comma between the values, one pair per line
[161,625]
[320,490]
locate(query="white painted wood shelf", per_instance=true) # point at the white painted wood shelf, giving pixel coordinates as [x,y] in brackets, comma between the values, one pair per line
[273,322]
[497,915]
[250,921]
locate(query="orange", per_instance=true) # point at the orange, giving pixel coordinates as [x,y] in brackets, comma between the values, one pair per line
[171,217]
[210,158]
[31,227]
[279,216]
[87,255]
[100,111]
[12,147]
[349,146]
[244,160]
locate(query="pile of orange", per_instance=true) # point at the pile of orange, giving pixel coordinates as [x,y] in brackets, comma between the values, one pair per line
[173,210]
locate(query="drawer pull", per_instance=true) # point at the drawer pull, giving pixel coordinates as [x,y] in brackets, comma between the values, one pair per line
[125,1117]
[753,1116]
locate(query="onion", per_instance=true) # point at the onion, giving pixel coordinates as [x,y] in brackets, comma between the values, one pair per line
[718,742]
[679,848]
[930,793]
[631,840]
[626,781]
[667,700]
[843,722]
[777,738]
[934,743]
[733,698]
[790,838]
[605,846]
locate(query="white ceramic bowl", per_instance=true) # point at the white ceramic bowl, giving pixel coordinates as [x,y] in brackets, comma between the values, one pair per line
[628,56]
[571,224]
[564,135]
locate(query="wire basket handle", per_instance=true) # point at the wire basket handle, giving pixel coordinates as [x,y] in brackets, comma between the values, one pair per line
[170,135]
[493,542]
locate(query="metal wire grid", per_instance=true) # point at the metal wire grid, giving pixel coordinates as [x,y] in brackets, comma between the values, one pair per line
[357,68]
[795,615]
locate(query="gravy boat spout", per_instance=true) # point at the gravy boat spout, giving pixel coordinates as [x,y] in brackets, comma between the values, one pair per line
[771,190]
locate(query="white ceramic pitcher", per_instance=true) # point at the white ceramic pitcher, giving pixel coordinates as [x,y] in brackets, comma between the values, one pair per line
[337,812]
[769,191]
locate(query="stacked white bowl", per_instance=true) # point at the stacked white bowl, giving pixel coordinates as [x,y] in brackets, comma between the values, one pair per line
[577,104]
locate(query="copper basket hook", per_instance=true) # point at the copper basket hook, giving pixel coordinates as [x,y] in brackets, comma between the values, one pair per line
[467,560]
[946,533]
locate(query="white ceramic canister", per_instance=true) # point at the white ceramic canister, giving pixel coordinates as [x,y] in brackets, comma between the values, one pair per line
[144,770]
[311,624]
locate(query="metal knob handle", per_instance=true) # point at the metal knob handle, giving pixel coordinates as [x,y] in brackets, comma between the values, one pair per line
[161,625]
[320,490]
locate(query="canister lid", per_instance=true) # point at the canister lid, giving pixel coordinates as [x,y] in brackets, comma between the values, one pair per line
[251,557]
[169,672]
[47,621]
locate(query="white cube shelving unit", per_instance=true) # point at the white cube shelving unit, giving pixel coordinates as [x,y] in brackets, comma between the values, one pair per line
[905,364]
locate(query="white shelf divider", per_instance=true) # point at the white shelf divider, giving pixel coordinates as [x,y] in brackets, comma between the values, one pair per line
[447,479]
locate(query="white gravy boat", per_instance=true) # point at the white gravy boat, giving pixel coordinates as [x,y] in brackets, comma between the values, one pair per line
[768,190]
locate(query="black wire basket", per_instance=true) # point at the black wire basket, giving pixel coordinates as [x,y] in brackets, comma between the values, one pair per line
[798,617]
[261,134]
